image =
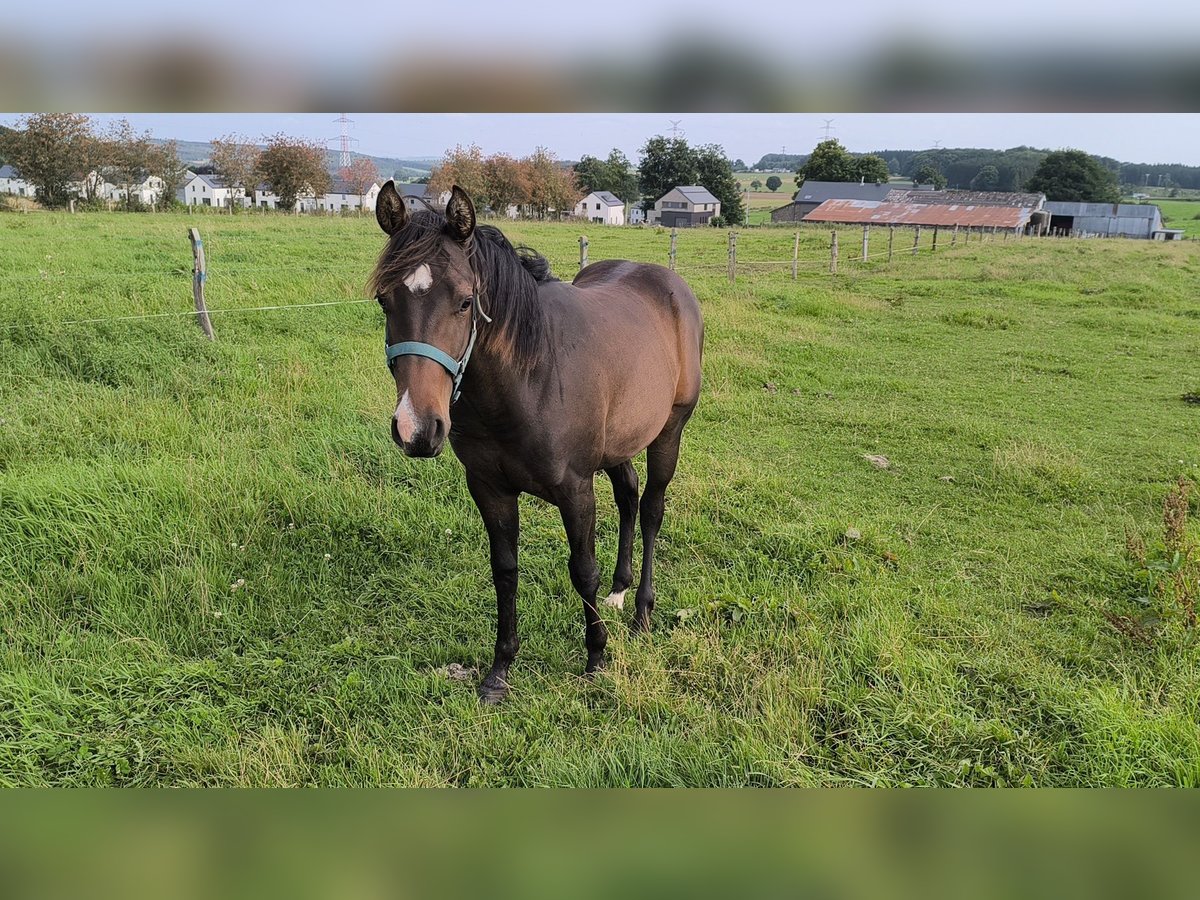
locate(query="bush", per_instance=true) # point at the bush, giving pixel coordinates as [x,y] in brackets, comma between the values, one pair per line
[717,222]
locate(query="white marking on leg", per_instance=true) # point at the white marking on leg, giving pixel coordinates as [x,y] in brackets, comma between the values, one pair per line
[406,419]
[419,280]
[616,598]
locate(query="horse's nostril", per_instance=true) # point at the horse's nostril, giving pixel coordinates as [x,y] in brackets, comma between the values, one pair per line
[439,430]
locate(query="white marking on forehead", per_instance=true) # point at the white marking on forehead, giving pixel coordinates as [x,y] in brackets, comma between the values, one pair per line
[420,279]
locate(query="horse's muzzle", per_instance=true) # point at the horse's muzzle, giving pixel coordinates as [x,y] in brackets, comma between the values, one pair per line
[426,443]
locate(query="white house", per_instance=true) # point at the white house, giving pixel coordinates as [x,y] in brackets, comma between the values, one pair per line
[341,195]
[211,190]
[12,183]
[604,207]
[415,196]
[685,206]
[637,215]
[265,198]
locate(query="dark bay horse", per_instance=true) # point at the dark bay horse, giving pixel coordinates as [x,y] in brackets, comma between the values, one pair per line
[565,380]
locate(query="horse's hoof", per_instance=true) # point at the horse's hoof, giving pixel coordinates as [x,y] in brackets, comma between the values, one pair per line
[616,599]
[492,690]
[594,665]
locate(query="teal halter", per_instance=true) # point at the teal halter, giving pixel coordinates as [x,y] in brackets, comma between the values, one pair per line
[455,368]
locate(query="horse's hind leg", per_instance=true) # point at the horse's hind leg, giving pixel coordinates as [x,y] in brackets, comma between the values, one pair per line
[661,458]
[625,493]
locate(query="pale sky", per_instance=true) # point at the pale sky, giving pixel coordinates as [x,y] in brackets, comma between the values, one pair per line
[1129,137]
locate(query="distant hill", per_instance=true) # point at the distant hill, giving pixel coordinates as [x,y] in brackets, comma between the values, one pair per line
[389,167]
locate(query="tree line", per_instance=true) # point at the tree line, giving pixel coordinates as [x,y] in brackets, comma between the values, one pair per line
[65,156]
[540,182]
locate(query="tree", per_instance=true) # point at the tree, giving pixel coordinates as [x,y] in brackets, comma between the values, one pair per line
[755,185]
[829,161]
[988,179]
[774,183]
[739,166]
[1073,175]
[551,186]
[666,163]
[46,149]
[462,166]
[612,174]
[360,175]
[930,174]
[236,159]
[869,169]
[292,167]
[130,156]
[505,183]
[715,172]
[170,169]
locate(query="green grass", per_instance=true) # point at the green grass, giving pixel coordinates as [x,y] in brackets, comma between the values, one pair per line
[1183,214]
[956,637]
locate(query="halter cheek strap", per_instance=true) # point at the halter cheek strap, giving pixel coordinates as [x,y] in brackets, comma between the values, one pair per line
[455,368]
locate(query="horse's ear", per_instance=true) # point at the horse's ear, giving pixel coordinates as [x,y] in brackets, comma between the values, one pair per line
[390,211]
[460,214]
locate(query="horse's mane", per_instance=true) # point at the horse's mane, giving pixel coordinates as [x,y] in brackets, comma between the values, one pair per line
[508,279]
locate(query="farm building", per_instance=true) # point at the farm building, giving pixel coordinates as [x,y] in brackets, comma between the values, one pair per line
[869,212]
[685,206]
[966,209]
[813,193]
[12,183]
[604,207]
[1131,220]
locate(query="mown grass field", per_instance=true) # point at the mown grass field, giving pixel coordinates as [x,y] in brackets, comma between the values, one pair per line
[216,569]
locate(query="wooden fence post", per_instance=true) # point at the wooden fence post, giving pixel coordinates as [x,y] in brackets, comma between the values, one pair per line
[732,257]
[954,236]
[671,254]
[199,275]
[916,239]
[933,249]
[833,254]
[866,240]
[891,238]
[72,204]
[796,256]
[583,245]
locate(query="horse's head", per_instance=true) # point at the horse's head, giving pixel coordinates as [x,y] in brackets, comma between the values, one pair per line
[429,293]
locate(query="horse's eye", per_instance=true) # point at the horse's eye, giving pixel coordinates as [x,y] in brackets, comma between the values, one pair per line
[379,300]
[465,305]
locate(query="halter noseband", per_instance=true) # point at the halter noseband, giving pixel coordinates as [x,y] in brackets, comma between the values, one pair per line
[455,368]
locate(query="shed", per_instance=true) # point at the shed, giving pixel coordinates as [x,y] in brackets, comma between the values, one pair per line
[1129,220]
[813,193]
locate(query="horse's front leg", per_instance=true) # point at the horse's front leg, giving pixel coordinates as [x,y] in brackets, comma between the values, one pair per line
[577,503]
[498,507]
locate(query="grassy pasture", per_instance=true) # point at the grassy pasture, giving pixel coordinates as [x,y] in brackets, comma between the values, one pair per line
[215,568]
[1183,214]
